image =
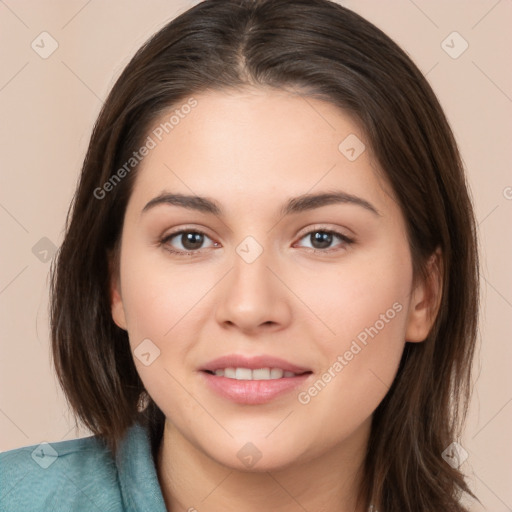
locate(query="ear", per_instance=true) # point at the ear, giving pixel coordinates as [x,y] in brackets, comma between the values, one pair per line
[116,301]
[425,300]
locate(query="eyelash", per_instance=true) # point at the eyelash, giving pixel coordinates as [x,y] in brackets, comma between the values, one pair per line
[164,241]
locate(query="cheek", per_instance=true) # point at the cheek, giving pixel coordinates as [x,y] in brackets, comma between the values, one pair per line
[349,297]
[159,307]
[158,294]
[166,305]
[365,304]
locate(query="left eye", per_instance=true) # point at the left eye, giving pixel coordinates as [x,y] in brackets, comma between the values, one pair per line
[322,239]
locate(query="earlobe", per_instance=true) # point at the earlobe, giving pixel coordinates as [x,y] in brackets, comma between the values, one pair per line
[425,301]
[117,308]
[116,301]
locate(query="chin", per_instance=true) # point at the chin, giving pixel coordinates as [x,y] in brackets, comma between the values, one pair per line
[258,456]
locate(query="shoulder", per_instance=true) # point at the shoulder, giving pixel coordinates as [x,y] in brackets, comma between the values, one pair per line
[71,475]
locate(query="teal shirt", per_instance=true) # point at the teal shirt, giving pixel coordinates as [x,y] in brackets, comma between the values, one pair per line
[81,475]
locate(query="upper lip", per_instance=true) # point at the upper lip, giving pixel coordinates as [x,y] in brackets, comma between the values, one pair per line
[252,362]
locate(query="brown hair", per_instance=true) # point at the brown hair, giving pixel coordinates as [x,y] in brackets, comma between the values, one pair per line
[322,50]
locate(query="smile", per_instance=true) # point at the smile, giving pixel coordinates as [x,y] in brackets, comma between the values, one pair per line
[257,374]
[253,387]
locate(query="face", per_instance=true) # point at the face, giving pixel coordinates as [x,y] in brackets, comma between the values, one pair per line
[259,274]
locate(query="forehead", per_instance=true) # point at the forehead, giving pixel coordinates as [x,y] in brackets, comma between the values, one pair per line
[255,147]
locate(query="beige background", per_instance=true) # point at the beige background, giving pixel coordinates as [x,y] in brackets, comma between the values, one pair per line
[47,110]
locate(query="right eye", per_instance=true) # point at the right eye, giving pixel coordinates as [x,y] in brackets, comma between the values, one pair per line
[186,242]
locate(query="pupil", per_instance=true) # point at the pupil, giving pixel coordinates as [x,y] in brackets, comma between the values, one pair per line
[321,239]
[192,240]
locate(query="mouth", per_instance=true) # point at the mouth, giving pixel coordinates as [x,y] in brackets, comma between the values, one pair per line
[253,380]
[241,373]
[246,386]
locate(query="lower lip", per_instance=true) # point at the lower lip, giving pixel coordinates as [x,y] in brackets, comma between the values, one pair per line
[253,392]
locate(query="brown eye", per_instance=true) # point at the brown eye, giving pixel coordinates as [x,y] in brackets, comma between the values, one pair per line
[191,240]
[322,239]
[186,241]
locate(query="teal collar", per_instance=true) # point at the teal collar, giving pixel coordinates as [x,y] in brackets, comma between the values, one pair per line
[140,487]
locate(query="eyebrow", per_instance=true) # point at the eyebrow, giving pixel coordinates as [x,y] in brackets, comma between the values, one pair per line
[294,205]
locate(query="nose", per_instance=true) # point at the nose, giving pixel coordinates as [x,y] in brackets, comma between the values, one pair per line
[252,298]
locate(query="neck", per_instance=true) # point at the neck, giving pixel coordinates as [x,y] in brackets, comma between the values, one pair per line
[192,481]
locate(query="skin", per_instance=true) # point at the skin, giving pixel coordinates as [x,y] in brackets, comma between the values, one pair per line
[251,151]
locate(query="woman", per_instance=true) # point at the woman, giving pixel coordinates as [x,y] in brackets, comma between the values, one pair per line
[266,298]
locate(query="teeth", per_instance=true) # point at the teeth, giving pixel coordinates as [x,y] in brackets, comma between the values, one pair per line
[258,374]
[230,373]
[243,374]
[261,374]
[276,373]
